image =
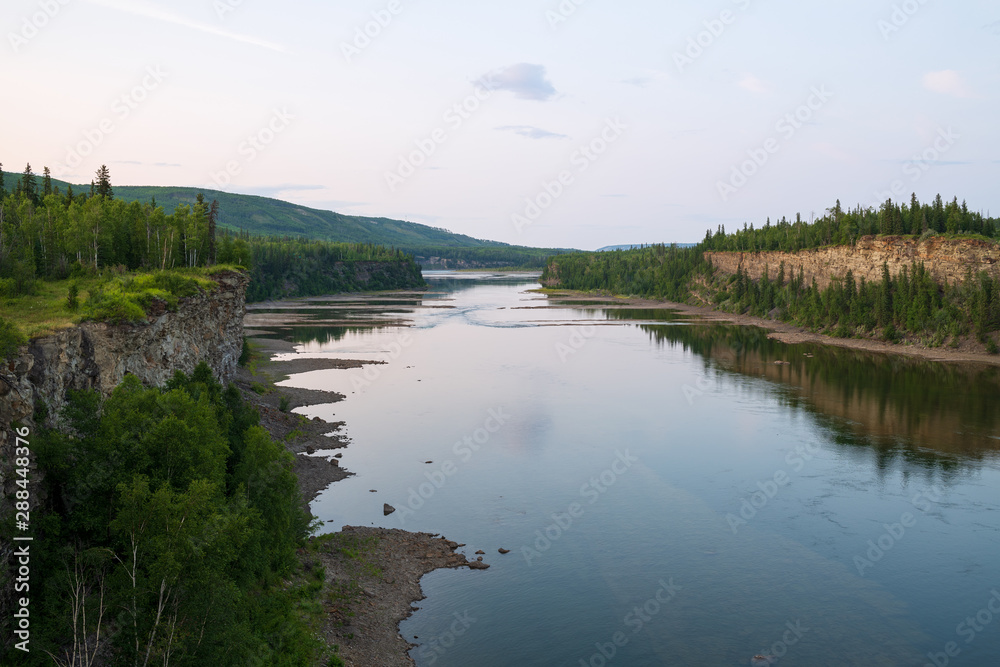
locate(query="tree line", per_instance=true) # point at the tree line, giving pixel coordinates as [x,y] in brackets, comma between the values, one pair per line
[53,235]
[844,227]
[909,302]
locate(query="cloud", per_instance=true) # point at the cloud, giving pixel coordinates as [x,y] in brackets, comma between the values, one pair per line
[166,164]
[754,85]
[526,81]
[149,11]
[947,82]
[993,27]
[531,132]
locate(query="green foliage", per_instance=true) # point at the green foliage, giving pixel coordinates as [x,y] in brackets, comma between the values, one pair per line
[246,353]
[841,227]
[11,339]
[182,517]
[910,303]
[656,271]
[73,297]
[296,267]
[130,298]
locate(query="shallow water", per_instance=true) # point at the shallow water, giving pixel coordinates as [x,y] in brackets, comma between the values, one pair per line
[670,495]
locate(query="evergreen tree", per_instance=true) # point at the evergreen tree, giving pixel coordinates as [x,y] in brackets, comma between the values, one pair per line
[103,185]
[29,188]
[213,216]
[46,182]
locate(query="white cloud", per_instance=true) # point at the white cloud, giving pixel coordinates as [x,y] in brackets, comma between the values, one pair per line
[525,80]
[149,11]
[947,82]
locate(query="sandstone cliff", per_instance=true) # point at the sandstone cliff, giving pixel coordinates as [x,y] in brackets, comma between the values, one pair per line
[945,259]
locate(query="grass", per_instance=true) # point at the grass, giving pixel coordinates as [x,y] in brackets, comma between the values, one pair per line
[117,298]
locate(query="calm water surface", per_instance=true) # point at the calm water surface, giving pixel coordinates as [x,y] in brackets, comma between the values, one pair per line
[670,494]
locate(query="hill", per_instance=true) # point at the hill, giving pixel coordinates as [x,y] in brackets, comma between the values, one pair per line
[274,217]
[432,247]
[637,246]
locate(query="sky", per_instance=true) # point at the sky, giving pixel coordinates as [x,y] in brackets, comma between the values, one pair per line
[553,123]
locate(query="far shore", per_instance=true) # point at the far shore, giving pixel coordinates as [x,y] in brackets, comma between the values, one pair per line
[789,333]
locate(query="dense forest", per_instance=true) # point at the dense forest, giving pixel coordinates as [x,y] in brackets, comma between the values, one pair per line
[500,256]
[168,535]
[840,227]
[54,235]
[909,303]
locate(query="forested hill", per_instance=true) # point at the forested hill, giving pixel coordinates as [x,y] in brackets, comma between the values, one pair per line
[274,217]
[432,247]
[909,303]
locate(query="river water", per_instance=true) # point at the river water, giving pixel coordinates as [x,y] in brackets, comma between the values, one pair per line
[671,493]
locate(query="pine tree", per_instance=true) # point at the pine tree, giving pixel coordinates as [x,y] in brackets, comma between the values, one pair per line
[3,190]
[213,215]
[103,184]
[29,188]
[46,182]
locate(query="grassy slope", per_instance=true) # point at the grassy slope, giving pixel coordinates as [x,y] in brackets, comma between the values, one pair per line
[263,215]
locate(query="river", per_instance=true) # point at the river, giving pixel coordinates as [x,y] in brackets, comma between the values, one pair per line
[671,493]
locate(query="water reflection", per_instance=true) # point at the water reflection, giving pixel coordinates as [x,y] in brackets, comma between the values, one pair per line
[926,412]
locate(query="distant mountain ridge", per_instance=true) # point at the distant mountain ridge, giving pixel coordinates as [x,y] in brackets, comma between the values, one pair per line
[634,246]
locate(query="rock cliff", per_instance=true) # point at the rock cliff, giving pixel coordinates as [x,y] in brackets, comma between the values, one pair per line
[945,259]
[206,327]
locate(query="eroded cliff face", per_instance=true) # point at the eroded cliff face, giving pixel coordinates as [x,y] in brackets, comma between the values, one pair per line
[207,327]
[945,259]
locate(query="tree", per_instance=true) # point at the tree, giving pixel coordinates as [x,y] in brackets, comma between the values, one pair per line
[103,184]
[213,216]
[29,188]
[46,182]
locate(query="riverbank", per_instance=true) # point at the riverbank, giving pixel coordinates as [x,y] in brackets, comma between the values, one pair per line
[966,352]
[371,575]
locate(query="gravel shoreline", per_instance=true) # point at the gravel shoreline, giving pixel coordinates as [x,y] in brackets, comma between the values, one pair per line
[372,574]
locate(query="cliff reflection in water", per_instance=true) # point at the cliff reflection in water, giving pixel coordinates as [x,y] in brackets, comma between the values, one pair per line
[931,413]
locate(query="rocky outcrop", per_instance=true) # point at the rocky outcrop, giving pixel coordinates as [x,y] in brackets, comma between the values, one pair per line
[94,355]
[945,259]
[207,327]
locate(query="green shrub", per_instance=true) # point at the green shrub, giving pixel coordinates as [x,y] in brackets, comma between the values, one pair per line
[245,353]
[113,305]
[11,339]
[73,298]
